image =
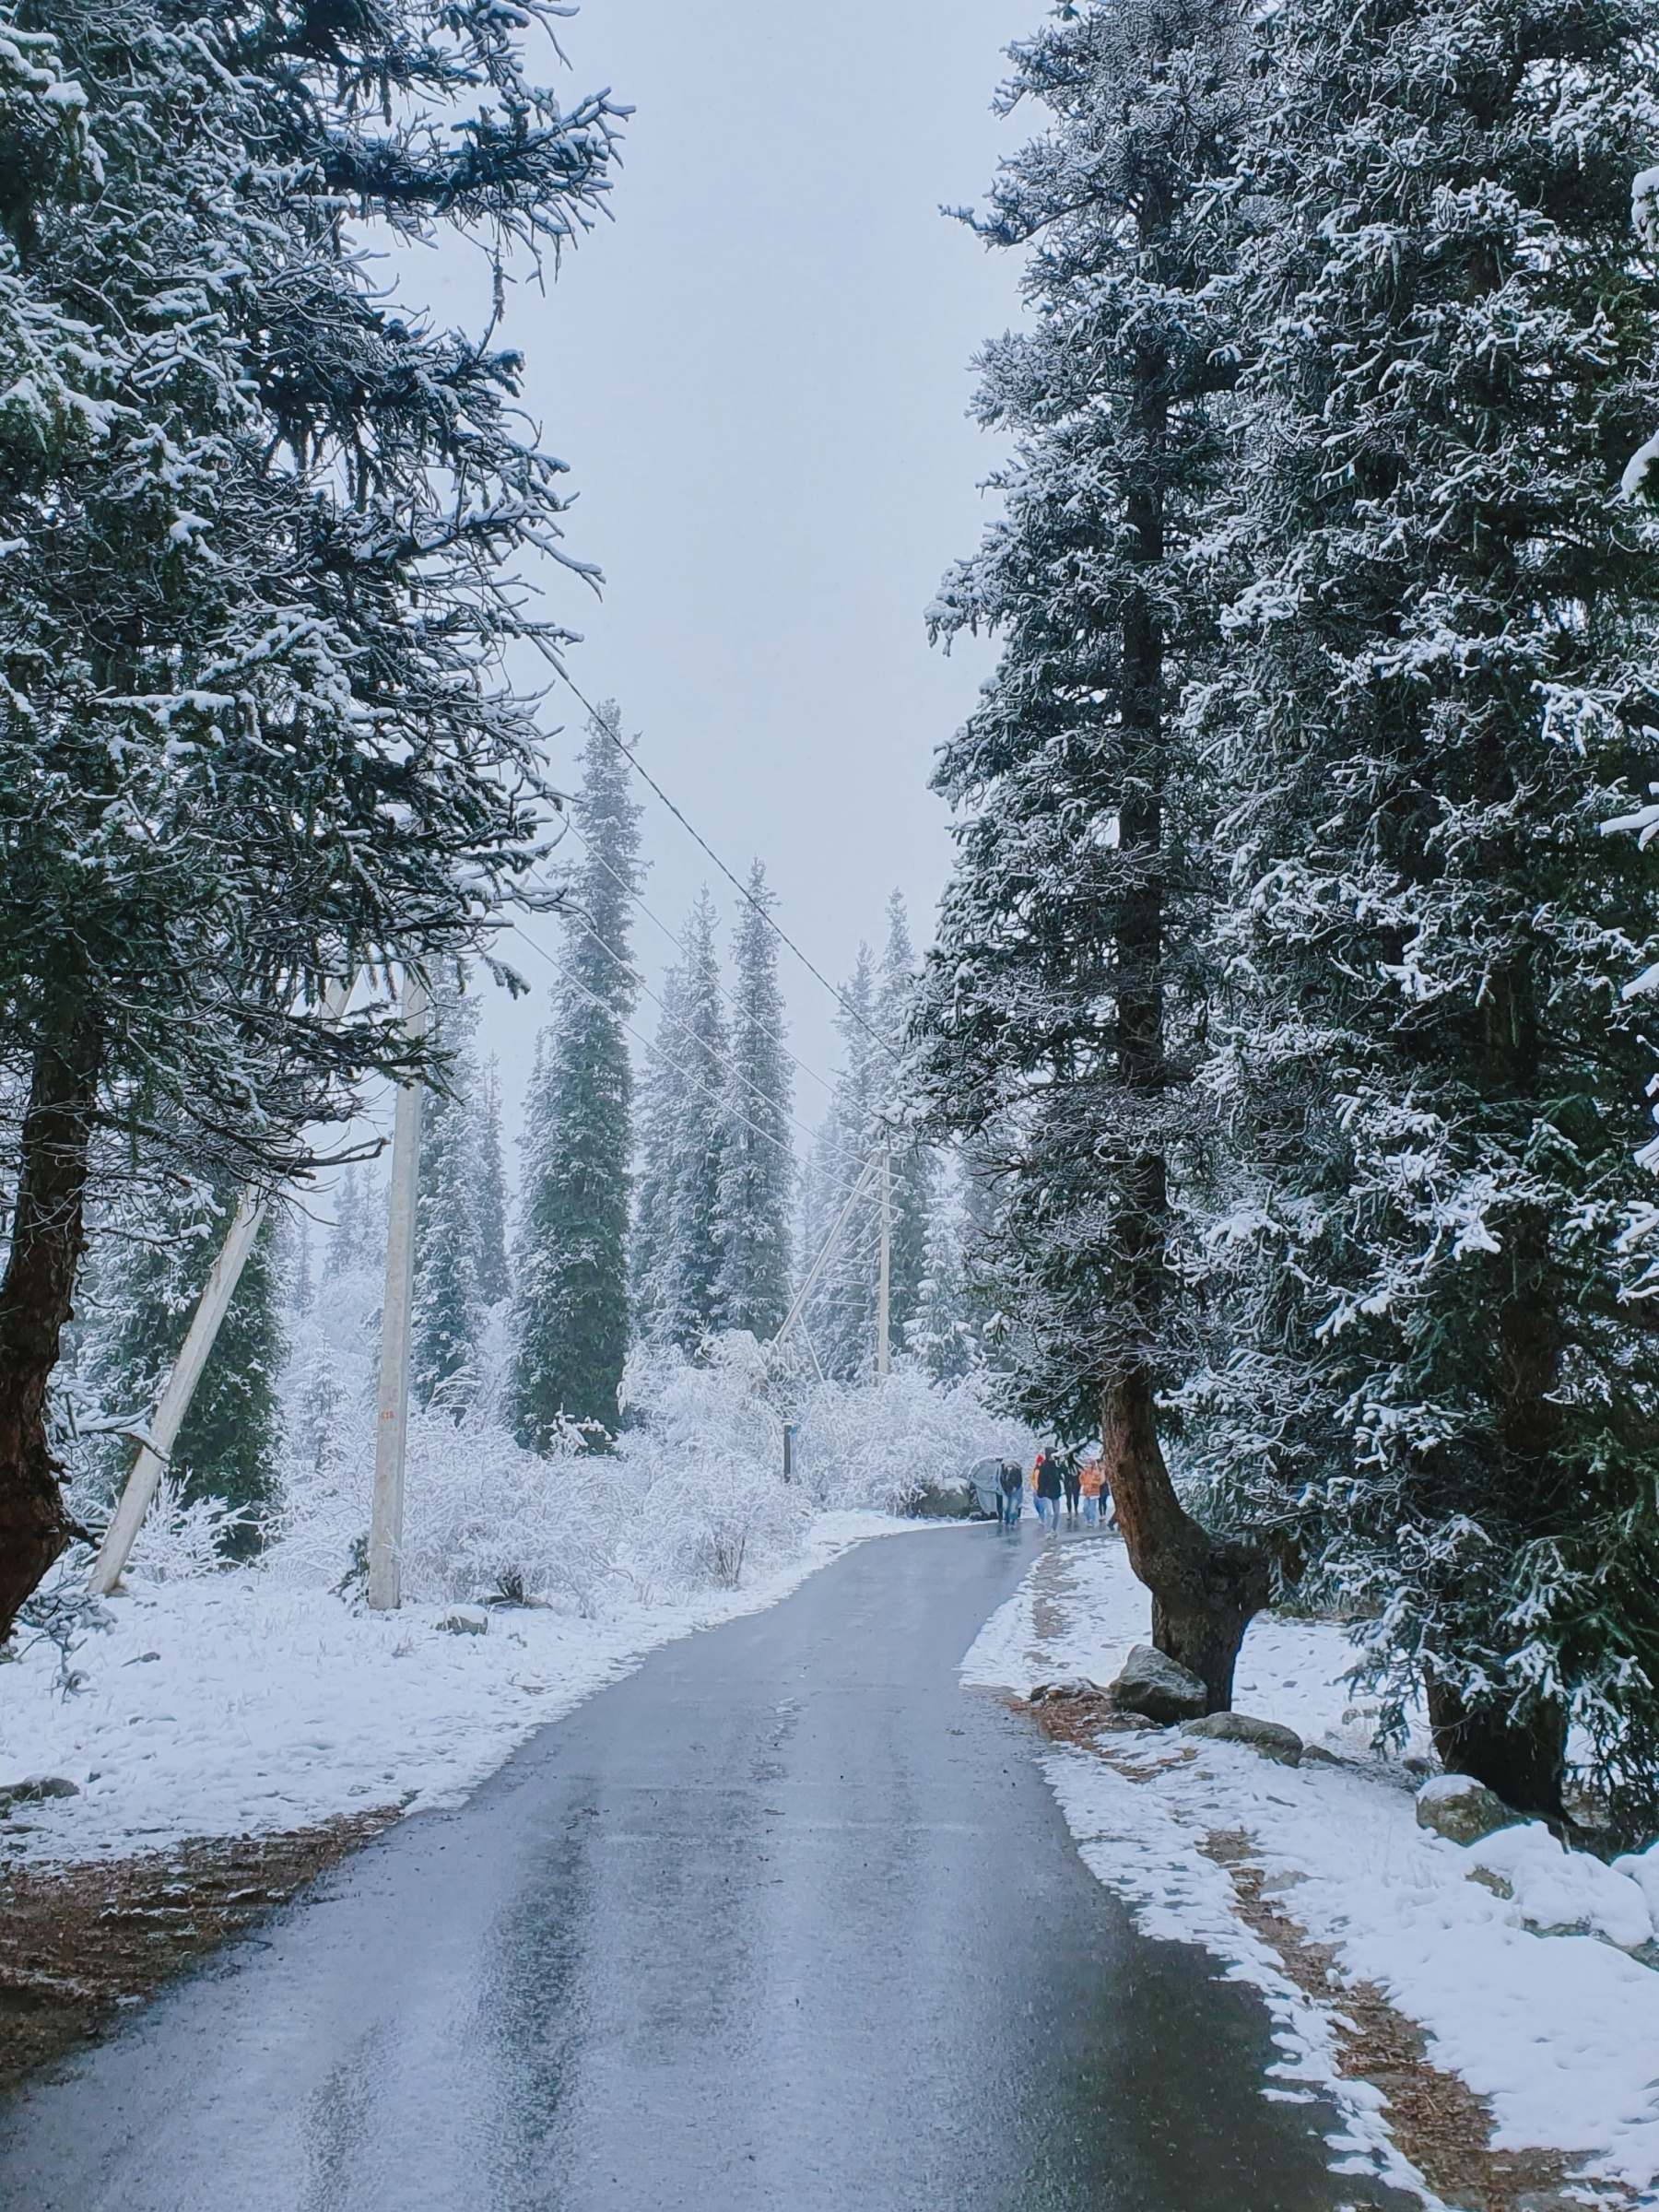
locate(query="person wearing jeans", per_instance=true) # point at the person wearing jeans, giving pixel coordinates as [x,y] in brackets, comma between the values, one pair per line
[1090,1481]
[1050,1490]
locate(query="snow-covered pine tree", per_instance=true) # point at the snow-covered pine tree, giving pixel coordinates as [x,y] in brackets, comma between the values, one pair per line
[145,1291]
[569,1312]
[757,1163]
[660,1093]
[451,1307]
[841,1314]
[1443,679]
[356,1234]
[687,1269]
[1068,991]
[913,1166]
[495,1279]
[254,733]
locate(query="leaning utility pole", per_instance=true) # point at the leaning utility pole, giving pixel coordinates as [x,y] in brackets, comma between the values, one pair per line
[168,1417]
[391,1429]
[883,1279]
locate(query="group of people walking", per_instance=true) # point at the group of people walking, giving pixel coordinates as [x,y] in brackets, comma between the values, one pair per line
[1074,1483]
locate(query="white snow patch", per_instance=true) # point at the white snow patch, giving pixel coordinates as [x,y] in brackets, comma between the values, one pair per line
[232,1704]
[1561,2031]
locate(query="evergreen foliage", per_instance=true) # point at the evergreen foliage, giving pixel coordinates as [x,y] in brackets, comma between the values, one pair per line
[570,1304]
[253,731]
[1069,990]
[451,1214]
[757,1165]
[1443,678]
[687,1271]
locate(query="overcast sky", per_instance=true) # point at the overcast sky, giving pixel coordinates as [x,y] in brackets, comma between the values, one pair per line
[758,375]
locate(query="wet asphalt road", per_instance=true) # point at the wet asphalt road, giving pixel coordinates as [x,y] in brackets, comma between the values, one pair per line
[787,1919]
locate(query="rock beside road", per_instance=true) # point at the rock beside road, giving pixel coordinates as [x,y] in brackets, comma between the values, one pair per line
[1462,1809]
[1269,1737]
[36,1790]
[1159,1688]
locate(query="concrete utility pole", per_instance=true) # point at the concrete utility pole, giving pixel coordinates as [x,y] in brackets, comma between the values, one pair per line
[883,1277]
[169,1416]
[392,1430]
[830,1242]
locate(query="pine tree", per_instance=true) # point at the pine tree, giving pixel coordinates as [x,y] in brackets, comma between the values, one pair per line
[146,1289]
[1069,993]
[661,1090]
[254,733]
[1445,676]
[756,1169]
[450,1215]
[571,1306]
[689,1271]
[912,1167]
[495,1279]
[841,1314]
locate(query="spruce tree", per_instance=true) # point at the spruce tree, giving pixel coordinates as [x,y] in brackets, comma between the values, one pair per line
[660,1095]
[570,1305]
[913,1167]
[687,1272]
[495,1279]
[841,1314]
[261,525]
[450,1305]
[1445,676]
[1069,993]
[756,1169]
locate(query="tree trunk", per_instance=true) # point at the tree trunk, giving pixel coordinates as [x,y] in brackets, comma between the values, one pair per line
[36,1301]
[1525,1763]
[1203,1592]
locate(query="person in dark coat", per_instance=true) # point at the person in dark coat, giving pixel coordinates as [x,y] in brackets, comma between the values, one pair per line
[1073,1481]
[1050,1490]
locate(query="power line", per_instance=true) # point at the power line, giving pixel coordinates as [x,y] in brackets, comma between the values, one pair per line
[558,668]
[679,943]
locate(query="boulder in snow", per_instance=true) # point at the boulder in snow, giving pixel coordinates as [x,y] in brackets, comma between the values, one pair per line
[1555,1891]
[1160,1687]
[1080,1692]
[464,1624]
[36,1790]
[1462,1809]
[1266,1737]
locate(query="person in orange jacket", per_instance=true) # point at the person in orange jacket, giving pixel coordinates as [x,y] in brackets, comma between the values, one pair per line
[1091,1480]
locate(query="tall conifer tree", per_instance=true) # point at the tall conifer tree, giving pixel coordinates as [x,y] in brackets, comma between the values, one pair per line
[450,1215]
[689,1267]
[756,1168]
[1069,995]
[571,1320]
[1446,677]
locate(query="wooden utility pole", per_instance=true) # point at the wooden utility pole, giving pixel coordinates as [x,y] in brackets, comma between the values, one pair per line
[883,1277]
[391,1429]
[169,1416]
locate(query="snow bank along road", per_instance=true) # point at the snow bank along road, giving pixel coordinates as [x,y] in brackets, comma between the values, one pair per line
[789,1918]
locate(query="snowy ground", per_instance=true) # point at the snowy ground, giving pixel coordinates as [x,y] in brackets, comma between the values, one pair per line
[1561,2030]
[230,1704]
